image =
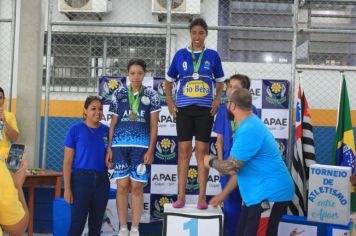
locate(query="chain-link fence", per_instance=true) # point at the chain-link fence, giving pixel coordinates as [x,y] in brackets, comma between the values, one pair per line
[6,47]
[264,39]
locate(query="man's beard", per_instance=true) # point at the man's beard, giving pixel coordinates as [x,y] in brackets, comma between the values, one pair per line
[230,115]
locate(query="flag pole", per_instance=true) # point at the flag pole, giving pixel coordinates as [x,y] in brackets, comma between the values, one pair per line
[342,73]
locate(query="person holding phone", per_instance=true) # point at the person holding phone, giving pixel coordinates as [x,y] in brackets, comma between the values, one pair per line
[14,214]
[86,181]
[132,139]
[195,69]
[8,127]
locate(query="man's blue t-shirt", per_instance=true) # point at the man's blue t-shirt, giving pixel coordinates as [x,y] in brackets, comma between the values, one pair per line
[133,133]
[264,175]
[198,91]
[89,146]
[222,126]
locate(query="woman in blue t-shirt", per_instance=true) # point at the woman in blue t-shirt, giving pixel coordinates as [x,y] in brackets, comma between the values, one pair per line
[86,182]
[195,69]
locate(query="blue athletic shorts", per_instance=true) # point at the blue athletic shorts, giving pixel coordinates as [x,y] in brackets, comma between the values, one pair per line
[128,162]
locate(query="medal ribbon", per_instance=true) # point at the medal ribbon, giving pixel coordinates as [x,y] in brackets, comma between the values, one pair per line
[233,127]
[196,64]
[134,101]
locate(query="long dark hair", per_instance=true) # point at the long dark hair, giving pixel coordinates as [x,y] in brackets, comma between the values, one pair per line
[2,91]
[199,21]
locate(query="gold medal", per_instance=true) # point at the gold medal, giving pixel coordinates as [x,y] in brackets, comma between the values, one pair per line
[132,116]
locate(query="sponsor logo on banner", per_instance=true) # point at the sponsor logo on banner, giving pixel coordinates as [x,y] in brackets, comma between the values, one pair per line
[157,205]
[166,150]
[282,146]
[160,86]
[164,179]
[256,92]
[275,94]
[213,186]
[212,147]
[196,88]
[223,94]
[107,86]
[106,119]
[166,123]
[113,184]
[192,181]
[277,122]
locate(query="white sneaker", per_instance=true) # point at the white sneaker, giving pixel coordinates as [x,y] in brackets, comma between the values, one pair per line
[123,232]
[134,232]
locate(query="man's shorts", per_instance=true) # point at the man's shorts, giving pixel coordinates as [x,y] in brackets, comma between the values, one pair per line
[194,121]
[128,162]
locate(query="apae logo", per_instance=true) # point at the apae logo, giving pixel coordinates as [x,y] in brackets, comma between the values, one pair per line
[165,149]
[276,93]
[162,91]
[272,121]
[159,206]
[192,181]
[163,118]
[212,149]
[110,87]
[282,149]
[164,177]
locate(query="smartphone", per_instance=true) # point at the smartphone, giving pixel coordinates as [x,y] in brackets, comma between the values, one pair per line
[15,155]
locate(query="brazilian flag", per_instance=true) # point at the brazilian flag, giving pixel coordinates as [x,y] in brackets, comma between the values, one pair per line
[344,148]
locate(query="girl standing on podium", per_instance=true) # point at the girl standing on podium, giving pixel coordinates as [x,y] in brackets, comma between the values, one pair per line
[195,69]
[132,139]
[86,181]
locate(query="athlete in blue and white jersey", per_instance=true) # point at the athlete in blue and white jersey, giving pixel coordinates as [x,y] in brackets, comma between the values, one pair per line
[195,70]
[133,133]
[195,91]
[132,139]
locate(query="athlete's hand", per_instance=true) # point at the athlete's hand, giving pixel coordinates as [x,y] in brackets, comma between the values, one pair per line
[172,107]
[108,158]
[148,157]
[214,106]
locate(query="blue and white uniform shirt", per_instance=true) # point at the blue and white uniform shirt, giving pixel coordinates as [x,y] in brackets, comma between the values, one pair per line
[133,133]
[197,91]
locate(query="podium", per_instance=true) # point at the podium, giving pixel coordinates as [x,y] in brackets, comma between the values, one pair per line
[189,221]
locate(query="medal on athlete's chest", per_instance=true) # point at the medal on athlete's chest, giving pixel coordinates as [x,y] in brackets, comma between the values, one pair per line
[196,64]
[132,116]
[134,102]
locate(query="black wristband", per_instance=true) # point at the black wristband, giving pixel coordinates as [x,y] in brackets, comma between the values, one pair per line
[211,162]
